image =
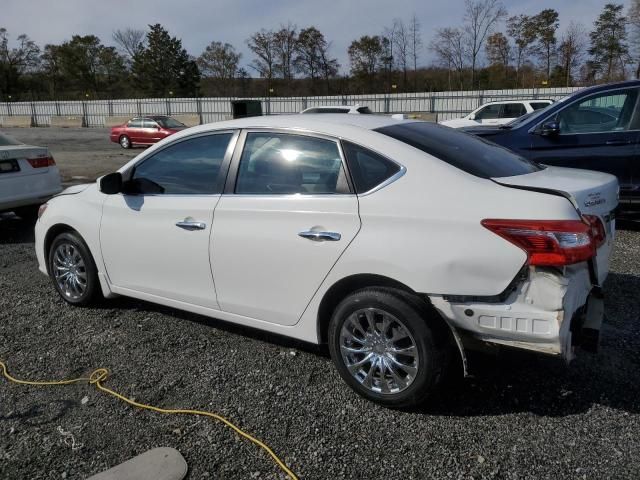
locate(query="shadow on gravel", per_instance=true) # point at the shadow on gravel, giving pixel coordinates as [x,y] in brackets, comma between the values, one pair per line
[41,414]
[15,230]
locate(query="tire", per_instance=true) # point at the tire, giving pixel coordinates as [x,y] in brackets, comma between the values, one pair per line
[28,214]
[398,379]
[69,253]
[125,142]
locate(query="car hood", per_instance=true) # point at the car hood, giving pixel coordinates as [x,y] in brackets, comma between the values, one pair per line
[594,193]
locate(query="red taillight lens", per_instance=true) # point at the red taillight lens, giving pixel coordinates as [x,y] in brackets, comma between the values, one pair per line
[41,162]
[598,232]
[547,242]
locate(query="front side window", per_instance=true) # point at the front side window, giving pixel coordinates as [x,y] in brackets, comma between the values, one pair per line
[513,110]
[368,169]
[276,163]
[191,166]
[148,123]
[168,122]
[489,112]
[604,112]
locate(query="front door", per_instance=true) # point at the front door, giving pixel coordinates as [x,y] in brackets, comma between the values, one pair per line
[600,133]
[287,217]
[156,238]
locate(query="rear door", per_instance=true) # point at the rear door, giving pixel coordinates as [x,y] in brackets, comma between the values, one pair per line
[286,216]
[599,132]
[135,130]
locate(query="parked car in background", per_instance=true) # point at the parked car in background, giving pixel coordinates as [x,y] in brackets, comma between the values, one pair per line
[145,130]
[28,177]
[497,113]
[396,242]
[596,128]
[357,109]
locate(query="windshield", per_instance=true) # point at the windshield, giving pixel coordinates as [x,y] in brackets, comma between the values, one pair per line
[467,152]
[169,122]
[5,140]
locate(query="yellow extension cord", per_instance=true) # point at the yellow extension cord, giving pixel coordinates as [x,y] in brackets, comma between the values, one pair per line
[100,375]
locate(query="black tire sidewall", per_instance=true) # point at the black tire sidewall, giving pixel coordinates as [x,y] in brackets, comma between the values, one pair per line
[93,282]
[429,353]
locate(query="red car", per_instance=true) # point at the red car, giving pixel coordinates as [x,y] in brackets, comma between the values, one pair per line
[145,130]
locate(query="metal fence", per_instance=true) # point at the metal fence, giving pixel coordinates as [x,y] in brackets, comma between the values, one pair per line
[441,105]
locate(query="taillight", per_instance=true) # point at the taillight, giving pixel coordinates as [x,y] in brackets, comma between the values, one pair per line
[547,242]
[598,232]
[41,162]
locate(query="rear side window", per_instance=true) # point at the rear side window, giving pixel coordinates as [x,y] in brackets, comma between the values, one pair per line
[135,123]
[188,167]
[539,105]
[513,110]
[364,110]
[467,152]
[328,110]
[284,164]
[368,169]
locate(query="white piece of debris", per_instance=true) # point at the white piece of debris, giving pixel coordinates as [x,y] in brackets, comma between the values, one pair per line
[84,400]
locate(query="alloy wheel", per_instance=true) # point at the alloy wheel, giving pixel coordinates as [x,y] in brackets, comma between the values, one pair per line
[69,271]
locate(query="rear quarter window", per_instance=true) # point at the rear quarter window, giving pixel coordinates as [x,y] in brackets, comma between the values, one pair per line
[368,169]
[467,152]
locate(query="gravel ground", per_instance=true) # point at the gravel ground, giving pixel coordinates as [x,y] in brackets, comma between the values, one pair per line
[522,417]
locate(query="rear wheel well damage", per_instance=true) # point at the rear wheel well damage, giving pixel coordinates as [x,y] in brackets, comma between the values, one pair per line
[346,286]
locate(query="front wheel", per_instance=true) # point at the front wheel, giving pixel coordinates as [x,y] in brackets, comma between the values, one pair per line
[73,270]
[384,348]
[125,142]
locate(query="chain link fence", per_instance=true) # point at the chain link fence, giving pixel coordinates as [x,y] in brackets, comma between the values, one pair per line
[439,105]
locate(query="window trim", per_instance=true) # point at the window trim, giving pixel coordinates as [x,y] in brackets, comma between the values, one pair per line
[538,126]
[232,175]
[127,174]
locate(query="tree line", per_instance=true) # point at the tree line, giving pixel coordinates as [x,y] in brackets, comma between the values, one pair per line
[489,49]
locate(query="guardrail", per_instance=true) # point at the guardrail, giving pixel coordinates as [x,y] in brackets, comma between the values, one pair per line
[439,105]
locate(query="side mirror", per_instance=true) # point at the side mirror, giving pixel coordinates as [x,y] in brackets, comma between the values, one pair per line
[550,129]
[111,183]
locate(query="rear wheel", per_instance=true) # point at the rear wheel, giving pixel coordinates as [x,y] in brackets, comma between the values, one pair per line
[384,348]
[125,142]
[73,270]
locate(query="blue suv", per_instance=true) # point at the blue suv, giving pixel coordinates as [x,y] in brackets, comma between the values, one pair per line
[596,128]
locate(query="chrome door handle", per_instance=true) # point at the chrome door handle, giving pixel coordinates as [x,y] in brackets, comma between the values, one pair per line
[191,225]
[320,236]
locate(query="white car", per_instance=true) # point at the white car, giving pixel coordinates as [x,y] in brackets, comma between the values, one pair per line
[354,109]
[28,177]
[395,241]
[497,113]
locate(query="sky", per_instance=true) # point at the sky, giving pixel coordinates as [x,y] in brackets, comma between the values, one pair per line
[199,22]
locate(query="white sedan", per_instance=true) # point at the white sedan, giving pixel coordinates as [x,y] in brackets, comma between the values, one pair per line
[497,113]
[28,177]
[396,242]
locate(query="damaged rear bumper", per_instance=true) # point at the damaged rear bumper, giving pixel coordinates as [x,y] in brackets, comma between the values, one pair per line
[549,311]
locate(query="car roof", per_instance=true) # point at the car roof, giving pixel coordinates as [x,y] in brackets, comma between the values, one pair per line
[331,124]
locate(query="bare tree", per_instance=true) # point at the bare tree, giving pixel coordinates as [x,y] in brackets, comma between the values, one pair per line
[415,43]
[401,42]
[284,43]
[262,44]
[220,61]
[16,61]
[633,16]
[312,56]
[572,49]
[130,40]
[480,18]
[521,29]
[449,45]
